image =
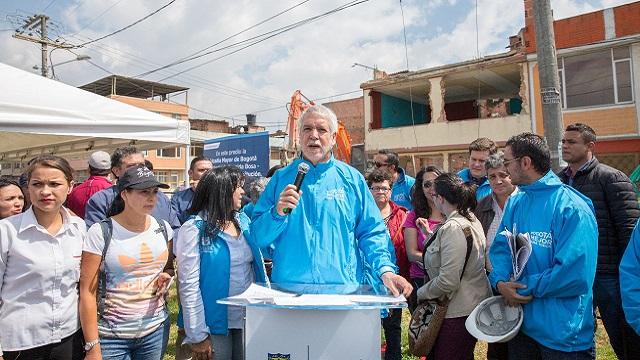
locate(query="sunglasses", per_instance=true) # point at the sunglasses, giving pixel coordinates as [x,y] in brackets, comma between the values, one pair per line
[427,184]
[379,165]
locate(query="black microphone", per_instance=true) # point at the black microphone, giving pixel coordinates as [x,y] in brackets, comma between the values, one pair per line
[303,169]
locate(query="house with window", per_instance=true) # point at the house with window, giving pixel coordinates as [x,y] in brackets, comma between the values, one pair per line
[430,116]
[169,163]
[599,70]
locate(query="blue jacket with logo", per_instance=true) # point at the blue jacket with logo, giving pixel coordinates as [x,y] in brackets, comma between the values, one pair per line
[630,280]
[215,263]
[559,274]
[483,190]
[335,228]
[401,190]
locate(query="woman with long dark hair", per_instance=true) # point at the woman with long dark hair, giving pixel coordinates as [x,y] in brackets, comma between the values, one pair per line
[420,223]
[455,263]
[216,259]
[11,198]
[39,269]
[127,266]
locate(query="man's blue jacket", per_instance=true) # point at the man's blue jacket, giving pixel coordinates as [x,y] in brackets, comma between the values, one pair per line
[630,280]
[325,238]
[483,190]
[401,190]
[560,272]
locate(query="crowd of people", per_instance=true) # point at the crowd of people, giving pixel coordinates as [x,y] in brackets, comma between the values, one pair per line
[85,270]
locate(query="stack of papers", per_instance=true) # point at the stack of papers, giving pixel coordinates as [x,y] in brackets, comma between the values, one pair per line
[520,247]
[258,294]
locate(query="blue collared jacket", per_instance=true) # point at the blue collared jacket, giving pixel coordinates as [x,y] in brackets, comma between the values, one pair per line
[483,190]
[212,274]
[328,236]
[181,202]
[630,280]
[401,190]
[559,274]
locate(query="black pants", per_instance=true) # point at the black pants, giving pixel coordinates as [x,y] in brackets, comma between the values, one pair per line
[70,348]
[392,332]
[413,299]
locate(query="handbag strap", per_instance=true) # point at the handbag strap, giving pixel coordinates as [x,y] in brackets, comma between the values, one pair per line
[468,235]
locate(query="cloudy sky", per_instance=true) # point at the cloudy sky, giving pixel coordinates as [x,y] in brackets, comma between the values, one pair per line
[316,57]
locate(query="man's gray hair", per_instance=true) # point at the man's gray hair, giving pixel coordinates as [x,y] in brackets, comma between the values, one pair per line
[494,161]
[257,187]
[323,112]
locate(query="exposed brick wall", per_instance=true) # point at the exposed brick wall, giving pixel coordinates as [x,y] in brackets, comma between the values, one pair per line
[627,19]
[351,113]
[585,28]
[574,31]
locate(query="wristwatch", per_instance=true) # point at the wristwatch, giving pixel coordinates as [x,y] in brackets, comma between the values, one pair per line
[90,344]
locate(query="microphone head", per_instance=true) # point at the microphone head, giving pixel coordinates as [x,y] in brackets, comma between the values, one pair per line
[303,168]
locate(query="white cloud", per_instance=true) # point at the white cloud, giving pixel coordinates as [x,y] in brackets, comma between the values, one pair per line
[315,58]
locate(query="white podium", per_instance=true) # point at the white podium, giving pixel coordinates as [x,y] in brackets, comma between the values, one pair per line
[313,322]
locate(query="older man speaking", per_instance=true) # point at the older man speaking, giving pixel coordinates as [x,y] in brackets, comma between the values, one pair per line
[334,225]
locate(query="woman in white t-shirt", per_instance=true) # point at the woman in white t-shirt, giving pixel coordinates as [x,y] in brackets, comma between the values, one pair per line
[130,278]
[39,269]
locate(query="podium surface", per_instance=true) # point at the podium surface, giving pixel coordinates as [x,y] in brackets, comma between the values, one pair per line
[312,322]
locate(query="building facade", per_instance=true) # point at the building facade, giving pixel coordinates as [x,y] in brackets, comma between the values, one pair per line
[599,70]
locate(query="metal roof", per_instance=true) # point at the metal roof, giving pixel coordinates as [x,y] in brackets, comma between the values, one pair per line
[126,86]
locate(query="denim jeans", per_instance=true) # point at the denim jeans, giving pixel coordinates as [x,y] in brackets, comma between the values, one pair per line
[392,333]
[148,347]
[606,296]
[523,347]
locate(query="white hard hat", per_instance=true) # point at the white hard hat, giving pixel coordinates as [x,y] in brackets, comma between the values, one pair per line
[493,321]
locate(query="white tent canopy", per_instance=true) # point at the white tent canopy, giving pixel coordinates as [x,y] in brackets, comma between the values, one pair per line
[40,115]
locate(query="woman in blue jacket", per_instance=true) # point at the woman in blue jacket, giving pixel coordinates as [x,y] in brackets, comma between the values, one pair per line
[216,259]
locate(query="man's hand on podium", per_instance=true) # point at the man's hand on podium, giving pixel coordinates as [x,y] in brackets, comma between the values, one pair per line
[397,284]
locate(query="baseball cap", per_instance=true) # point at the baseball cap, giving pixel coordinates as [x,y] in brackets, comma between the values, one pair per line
[100,160]
[493,321]
[139,177]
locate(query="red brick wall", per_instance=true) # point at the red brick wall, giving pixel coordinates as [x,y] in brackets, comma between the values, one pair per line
[574,31]
[351,114]
[627,19]
[585,28]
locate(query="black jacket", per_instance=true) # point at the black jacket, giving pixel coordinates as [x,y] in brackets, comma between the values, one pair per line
[616,205]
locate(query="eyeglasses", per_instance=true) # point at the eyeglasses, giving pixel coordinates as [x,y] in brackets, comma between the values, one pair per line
[508,161]
[427,184]
[379,189]
[379,165]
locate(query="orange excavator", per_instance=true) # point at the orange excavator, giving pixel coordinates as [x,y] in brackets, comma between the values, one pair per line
[342,150]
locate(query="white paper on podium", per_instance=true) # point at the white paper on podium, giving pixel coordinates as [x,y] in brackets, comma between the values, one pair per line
[377,299]
[259,293]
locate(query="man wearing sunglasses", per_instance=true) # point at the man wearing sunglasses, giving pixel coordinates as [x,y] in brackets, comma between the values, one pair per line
[479,151]
[402,183]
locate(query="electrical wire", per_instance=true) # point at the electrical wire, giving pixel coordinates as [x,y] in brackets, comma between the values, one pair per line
[46,7]
[192,80]
[252,41]
[128,26]
[97,17]
[247,29]
[406,54]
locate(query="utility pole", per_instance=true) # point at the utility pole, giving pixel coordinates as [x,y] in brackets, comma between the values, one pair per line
[31,24]
[549,80]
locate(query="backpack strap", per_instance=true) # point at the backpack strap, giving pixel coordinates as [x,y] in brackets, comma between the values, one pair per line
[169,267]
[106,226]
